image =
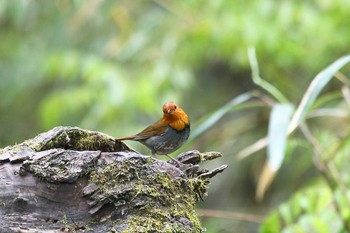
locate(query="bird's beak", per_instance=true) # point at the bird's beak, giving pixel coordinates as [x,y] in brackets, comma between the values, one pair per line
[169,111]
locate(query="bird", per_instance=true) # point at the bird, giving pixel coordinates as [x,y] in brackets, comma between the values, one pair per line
[167,134]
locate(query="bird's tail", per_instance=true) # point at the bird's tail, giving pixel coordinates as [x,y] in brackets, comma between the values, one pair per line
[126,138]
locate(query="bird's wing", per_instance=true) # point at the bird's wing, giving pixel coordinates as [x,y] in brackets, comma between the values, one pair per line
[155,129]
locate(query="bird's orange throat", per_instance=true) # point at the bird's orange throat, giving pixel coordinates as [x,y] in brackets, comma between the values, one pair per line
[178,125]
[178,120]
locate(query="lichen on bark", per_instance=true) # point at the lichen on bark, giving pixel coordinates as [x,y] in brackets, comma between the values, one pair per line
[97,184]
[160,203]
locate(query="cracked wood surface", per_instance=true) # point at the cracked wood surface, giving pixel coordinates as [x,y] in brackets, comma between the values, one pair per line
[74,180]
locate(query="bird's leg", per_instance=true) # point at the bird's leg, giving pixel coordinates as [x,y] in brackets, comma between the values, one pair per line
[174,160]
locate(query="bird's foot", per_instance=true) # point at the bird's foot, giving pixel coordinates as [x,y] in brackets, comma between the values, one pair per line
[177,161]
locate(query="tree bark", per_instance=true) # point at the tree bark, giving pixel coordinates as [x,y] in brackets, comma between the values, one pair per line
[74,180]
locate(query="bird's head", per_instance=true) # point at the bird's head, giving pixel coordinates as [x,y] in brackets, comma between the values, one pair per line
[169,108]
[175,116]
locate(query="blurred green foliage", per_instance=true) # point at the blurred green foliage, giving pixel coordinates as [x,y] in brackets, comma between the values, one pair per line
[305,212]
[110,65]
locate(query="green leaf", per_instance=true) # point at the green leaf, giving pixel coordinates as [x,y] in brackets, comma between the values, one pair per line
[316,86]
[218,114]
[277,140]
[272,90]
[277,134]
[256,146]
[271,224]
[308,99]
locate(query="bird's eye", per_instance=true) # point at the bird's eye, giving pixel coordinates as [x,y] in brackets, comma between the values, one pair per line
[175,107]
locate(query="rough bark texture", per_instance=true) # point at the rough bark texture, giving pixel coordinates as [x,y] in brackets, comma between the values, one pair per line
[73,180]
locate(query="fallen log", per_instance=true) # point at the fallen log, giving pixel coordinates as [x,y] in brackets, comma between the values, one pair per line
[74,180]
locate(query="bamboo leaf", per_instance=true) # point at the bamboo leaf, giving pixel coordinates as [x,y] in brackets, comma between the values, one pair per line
[277,139]
[218,114]
[277,134]
[258,145]
[314,89]
[308,99]
[272,90]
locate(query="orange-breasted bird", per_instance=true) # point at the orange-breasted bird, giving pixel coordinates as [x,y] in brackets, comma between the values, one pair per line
[167,134]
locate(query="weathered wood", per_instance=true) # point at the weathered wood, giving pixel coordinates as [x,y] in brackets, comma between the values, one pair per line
[73,180]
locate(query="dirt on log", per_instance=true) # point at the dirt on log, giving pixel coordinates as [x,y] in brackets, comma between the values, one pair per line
[74,180]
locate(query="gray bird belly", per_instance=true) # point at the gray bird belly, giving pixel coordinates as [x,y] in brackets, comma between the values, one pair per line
[168,142]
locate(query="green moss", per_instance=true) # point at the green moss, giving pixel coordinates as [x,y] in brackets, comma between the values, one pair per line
[72,138]
[162,203]
[155,201]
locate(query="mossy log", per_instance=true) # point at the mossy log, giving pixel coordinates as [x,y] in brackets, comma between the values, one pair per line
[74,180]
